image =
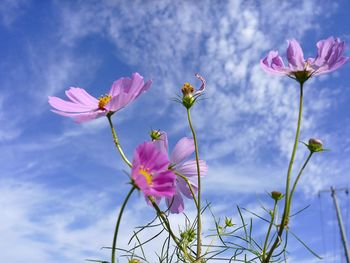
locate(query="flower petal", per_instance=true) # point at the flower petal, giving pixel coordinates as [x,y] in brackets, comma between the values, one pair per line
[295,55]
[117,102]
[125,90]
[183,187]
[79,95]
[202,87]
[82,117]
[189,168]
[273,64]
[162,142]
[175,203]
[68,106]
[182,150]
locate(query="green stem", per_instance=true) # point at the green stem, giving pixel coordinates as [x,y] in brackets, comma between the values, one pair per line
[116,141]
[189,186]
[168,227]
[298,177]
[285,215]
[269,230]
[118,223]
[199,221]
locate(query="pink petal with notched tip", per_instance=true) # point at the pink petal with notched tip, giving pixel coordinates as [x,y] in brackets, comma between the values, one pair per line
[119,86]
[273,64]
[67,106]
[79,95]
[295,55]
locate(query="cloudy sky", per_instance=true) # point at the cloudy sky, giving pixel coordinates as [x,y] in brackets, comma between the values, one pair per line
[61,183]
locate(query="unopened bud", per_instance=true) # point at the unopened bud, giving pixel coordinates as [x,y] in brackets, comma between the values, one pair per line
[188,235]
[276,195]
[228,222]
[134,260]
[155,135]
[187,98]
[315,145]
[187,90]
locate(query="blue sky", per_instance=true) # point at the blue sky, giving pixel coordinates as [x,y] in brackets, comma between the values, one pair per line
[61,183]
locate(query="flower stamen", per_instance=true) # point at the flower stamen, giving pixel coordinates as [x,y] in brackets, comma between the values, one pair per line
[187,89]
[103,100]
[146,174]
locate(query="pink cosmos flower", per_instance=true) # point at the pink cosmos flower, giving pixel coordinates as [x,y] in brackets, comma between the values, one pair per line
[182,150]
[329,58]
[150,172]
[83,107]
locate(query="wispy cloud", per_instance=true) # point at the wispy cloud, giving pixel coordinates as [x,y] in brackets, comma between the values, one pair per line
[10,10]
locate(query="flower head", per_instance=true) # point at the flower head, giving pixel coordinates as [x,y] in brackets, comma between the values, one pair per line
[182,150]
[190,94]
[150,171]
[315,145]
[83,107]
[276,195]
[329,58]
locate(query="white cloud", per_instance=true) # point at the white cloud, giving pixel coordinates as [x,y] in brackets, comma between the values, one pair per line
[247,113]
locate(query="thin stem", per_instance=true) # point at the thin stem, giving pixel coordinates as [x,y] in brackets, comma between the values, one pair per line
[116,141]
[189,186]
[269,230]
[199,220]
[298,177]
[285,215]
[168,227]
[118,222]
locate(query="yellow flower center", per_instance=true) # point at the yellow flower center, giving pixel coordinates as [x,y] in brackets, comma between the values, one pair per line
[103,101]
[146,174]
[187,89]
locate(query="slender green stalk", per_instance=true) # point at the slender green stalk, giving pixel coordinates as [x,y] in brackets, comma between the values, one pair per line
[118,222]
[285,216]
[189,186]
[116,141]
[269,230]
[298,177]
[168,228]
[199,220]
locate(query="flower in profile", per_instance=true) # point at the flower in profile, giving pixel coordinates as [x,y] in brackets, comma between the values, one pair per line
[182,150]
[329,58]
[150,171]
[83,107]
[190,95]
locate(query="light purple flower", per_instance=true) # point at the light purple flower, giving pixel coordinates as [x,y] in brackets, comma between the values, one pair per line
[83,107]
[150,172]
[182,150]
[329,58]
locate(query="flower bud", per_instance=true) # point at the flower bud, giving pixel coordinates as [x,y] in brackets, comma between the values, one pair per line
[134,260]
[190,94]
[155,135]
[276,195]
[315,145]
[228,222]
[187,92]
[188,235]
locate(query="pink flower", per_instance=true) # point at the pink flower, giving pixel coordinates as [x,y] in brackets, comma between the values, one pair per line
[329,58]
[182,150]
[150,172]
[83,107]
